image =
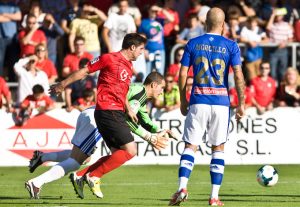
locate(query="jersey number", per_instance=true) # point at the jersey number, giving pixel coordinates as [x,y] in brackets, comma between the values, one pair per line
[203,77]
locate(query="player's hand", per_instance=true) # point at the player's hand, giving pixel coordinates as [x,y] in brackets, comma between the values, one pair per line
[158,140]
[56,88]
[240,112]
[132,115]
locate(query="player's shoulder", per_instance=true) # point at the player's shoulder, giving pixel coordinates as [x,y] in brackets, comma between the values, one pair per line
[136,87]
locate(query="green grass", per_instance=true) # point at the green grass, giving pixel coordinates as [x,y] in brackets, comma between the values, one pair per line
[154,185]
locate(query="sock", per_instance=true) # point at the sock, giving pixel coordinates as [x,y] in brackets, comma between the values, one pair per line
[216,172]
[56,172]
[92,167]
[109,163]
[56,156]
[186,167]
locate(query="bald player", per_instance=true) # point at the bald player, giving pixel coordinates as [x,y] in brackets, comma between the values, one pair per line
[211,55]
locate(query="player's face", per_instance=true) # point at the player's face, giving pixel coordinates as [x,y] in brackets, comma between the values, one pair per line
[137,51]
[158,89]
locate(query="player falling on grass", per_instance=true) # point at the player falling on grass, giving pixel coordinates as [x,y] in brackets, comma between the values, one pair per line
[113,83]
[211,55]
[86,136]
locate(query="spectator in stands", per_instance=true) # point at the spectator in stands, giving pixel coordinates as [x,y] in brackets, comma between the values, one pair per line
[52,31]
[54,7]
[265,12]
[87,26]
[132,10]
[5,93]
[175,67]
[264,89]
[252,35]
[38,101]
[234,27]
[30,37]
[72,12]
[193,30]
[75,90]
[117,26]
[44,63]
[155,49]
[10,14]
[28,76]
[280,32]
[171,25]
[288,92]
[170,99]
[71,61]
[87,100]
[36,10]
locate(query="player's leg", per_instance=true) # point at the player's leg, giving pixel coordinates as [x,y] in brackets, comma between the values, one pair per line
[217,165]
[56,172]
[194,129]
[117,136]
[39,158]
[217,136]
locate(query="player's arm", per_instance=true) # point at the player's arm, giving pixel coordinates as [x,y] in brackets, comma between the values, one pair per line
[183,73]
[240,88]
[77,75]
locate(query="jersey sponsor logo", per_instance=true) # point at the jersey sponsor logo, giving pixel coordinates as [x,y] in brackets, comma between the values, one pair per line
[95,60]
[210,91]
[123,75]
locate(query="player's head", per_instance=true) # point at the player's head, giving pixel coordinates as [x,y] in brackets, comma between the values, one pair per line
[134,45]
[215,20]
[38,91]
[154,84]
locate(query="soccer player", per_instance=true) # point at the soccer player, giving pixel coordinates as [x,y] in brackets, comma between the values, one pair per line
[86,135]
[211,55]
[113,83]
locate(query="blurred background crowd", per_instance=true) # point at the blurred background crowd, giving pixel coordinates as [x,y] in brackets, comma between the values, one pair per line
[44,41]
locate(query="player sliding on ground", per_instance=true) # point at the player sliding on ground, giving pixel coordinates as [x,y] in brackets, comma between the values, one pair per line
[86,136]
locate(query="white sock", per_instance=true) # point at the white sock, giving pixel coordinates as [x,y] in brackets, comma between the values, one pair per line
[56,172]
[215,191]
[56,156]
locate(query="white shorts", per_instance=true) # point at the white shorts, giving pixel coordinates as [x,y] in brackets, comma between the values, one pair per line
[210,120]
[86,135]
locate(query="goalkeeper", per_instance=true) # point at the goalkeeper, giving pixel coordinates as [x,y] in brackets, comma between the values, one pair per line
[86,136]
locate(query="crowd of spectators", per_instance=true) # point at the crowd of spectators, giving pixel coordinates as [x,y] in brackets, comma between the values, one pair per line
[42,41]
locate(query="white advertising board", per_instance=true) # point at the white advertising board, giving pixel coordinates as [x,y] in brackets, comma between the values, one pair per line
[268,139]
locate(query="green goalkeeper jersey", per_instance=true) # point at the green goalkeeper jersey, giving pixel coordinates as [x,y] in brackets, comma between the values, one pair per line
[137,99]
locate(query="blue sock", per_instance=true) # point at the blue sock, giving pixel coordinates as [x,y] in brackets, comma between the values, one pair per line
[186,167]
[216,172]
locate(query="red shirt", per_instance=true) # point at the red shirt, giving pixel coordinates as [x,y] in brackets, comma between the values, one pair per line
[48,67]
[113,81]
[169,26]
[72,60]
[45,102]
[234,101]
[4,90]
[264,91]
[174,70]
[37,37]
[84,103]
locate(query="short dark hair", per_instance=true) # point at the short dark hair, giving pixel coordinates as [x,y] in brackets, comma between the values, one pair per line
[37,89]
[79,38]
[83,62]
[153,77]
[88,92]
[133,39]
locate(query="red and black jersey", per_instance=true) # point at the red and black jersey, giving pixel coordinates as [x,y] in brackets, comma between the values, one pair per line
[113,81]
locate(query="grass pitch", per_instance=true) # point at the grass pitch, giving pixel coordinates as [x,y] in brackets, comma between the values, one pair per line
[154,185]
